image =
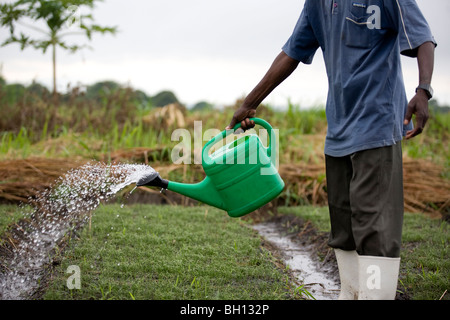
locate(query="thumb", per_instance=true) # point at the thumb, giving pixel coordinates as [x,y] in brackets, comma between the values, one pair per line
[231,125]
[408,115]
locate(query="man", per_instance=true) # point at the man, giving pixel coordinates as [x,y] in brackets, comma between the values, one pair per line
[368,115]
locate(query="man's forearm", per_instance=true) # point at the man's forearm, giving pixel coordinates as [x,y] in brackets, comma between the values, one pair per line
[281,68]
[425,60]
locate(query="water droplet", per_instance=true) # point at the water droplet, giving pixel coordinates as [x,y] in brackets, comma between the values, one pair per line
[56,210]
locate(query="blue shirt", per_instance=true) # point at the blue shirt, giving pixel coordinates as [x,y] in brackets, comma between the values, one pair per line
[361,41]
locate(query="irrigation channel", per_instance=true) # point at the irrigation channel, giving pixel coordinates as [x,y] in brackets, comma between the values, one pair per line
[66,206]
[315,277]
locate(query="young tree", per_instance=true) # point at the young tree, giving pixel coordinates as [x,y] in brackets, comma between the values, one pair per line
[62,18]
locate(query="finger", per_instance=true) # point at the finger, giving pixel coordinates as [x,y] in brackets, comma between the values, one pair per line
[247,124]
[412,133]
[408,115]
[421,119]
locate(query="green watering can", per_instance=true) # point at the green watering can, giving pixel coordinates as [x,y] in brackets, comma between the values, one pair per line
[240,177]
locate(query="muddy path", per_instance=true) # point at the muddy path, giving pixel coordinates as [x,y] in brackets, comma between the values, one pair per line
[302,251]
[316,278]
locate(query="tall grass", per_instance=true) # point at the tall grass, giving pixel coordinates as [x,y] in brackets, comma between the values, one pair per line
[16,144]
[81,126]
[77,126]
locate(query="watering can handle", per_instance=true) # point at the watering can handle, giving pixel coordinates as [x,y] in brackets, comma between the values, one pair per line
[226,133]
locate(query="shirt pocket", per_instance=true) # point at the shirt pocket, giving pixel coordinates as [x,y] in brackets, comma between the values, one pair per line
[356,32]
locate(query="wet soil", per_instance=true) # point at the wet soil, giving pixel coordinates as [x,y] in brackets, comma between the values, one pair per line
[302,251]
[315,278]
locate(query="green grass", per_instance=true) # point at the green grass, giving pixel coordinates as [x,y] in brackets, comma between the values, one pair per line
[174,252]
[162,252]
[8,215]
[426,257]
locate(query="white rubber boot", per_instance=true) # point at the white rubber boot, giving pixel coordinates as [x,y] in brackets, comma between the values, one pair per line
[348,273]
[378,277]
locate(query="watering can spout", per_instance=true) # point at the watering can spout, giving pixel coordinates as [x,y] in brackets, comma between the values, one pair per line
[203,191]
[153,180]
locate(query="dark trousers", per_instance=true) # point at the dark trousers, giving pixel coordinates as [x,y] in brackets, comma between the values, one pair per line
[365,198]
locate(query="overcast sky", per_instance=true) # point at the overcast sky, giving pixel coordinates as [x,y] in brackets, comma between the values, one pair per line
[205,50]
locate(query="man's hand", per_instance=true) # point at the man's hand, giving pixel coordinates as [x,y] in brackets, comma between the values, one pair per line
[280,69]
[242,115]
[418,106]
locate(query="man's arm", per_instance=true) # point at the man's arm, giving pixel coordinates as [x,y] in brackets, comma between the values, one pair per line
[419,103]
[281,68]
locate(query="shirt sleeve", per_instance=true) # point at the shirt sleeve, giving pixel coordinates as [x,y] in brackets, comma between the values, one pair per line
[302,45]
[413,29]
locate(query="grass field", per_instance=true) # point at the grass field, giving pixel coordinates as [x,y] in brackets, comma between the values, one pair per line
[169,253]
[149,252]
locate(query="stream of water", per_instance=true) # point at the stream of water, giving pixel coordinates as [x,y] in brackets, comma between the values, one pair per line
[52,214]
[306,269]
